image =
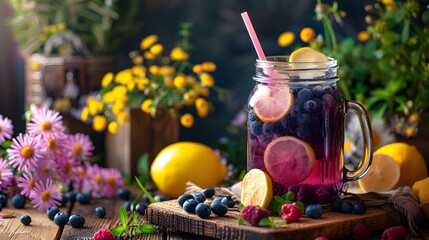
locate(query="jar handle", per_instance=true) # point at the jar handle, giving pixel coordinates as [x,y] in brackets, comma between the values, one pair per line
[368,146]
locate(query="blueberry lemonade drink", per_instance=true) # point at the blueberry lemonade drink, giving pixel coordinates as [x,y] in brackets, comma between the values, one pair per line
[296,122]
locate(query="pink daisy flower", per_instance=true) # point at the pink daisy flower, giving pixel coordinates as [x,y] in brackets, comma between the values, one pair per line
[54,145]
[112,180]
[95,180]
[25,152]
[6,129]
[66,166]
[46,169]
[6,174]
[45,195]
[45,122]
[27,183]
[79,145]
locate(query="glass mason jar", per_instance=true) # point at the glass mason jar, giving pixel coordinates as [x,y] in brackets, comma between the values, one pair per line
[296,122]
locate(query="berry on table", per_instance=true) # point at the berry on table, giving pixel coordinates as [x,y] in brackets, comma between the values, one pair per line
[359,207]
[203,210]
[100,212]
[141,208]
[160,198]
[129,206]
[219,208]
[103,234]
[51,212]
[83,198]
[361,232]
[336,204]
[253,214]
[146,199]
[26,220]
[183,198]
[346,207]
[313,211]
[190,205]
[291,212]
[64,200]
[228,201]
[3,199]
[208,192]
[61,219]
[395,233]
[76,221]
[199,197]
[123,193]
[18,201]
[71,196]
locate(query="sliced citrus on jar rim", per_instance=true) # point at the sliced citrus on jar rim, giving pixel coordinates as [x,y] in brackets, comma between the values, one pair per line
[382,176]
[256,189]
[289,160]
[307,54]
[271,103]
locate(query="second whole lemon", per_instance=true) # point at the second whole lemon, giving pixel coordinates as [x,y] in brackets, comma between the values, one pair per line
[421,190]
[186,161]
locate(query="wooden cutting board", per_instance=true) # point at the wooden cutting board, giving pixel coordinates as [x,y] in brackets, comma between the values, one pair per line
[169,215]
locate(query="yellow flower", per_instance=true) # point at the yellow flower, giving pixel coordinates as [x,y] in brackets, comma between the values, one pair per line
[154,70]
[201,104]
[84,115]
[138,70]
[190,80]
[107,79]
[189,97]
[205,92]
[208,66]
[388,2]
[118,107]
[203,113]
[99,123]
[207,79]
[124,76]
[178,54]
[285,39]
[131,85]
[187,120]
[119,91]
[141,83]
[168,81]
[148,41]
[197,68]
[52,28]
[149,56]
[138,60]
[390,7]
[415,117]
[410,131]
[113,127]
[122,117]
[166,70]
[35,66]
[62,26]
[363,36]
[146,106]
[156,49]
[94,106]
[307,34]
[180,81]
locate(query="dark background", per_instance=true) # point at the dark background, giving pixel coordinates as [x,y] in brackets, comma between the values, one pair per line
[218,35]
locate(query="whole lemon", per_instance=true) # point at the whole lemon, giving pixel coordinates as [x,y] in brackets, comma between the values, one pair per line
[411,162]
[186,161]
[421,190]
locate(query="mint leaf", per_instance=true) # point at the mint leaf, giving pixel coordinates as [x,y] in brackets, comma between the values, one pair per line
[267,222]
[283,223]
[241,221]
[300,205]
[240,207]
[123,216]
[118,230]
[135,222]
[151,200]
[146,228]
[289,196]
[278,199]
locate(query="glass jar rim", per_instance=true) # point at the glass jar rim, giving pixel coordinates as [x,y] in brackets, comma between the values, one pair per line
[283,61]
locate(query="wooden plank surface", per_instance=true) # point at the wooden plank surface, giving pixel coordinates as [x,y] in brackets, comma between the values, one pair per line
[169,215]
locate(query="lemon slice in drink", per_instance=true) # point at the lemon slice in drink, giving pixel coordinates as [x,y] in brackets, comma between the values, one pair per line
[307,54]
[271,103]
[289,160]
[257,189]
[382,176]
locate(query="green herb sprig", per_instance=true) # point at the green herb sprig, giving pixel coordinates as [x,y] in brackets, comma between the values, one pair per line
[125,227]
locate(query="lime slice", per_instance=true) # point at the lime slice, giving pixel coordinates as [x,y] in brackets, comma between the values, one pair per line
[289,160]
[257,189]
[307,54]
[382,176]
[271,103]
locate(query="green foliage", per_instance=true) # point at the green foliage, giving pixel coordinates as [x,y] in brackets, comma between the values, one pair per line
[97,22]
[124,228]
[287,198]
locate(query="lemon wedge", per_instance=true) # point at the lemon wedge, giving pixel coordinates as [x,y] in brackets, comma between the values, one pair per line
[257,189]
[307,54]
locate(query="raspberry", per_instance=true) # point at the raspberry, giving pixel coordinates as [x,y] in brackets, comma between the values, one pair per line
[103,234]
[291,212]
[360,232]
[395,233]
[253,214]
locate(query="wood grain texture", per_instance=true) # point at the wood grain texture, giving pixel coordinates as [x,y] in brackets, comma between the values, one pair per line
[169,215]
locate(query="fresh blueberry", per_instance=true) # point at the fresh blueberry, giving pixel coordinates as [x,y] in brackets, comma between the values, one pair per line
[146,199]
[208,192]
[218,199]
[318,91]
[359,207]
[313,211]
[64,200]
[289,122]
[199,197]
[26,220]
[310,106]
[100,212]
[183,198]
[219,208]
[305,94]
[346,207]
[141,208]
[228,201]
[190,205]
[203,210]
[18,201]
[252,116]
[76,221]
[129,206]
[123,193]
[295,111]
[336,204]
[268,128]
[160,198]
[303,119]
[71,196]
[256,128]
[51,212]
[61,219]
[3,199]
[83,198]
[303,131]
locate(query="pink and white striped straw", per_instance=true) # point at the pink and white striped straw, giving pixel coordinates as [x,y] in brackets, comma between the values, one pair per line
[253,36]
